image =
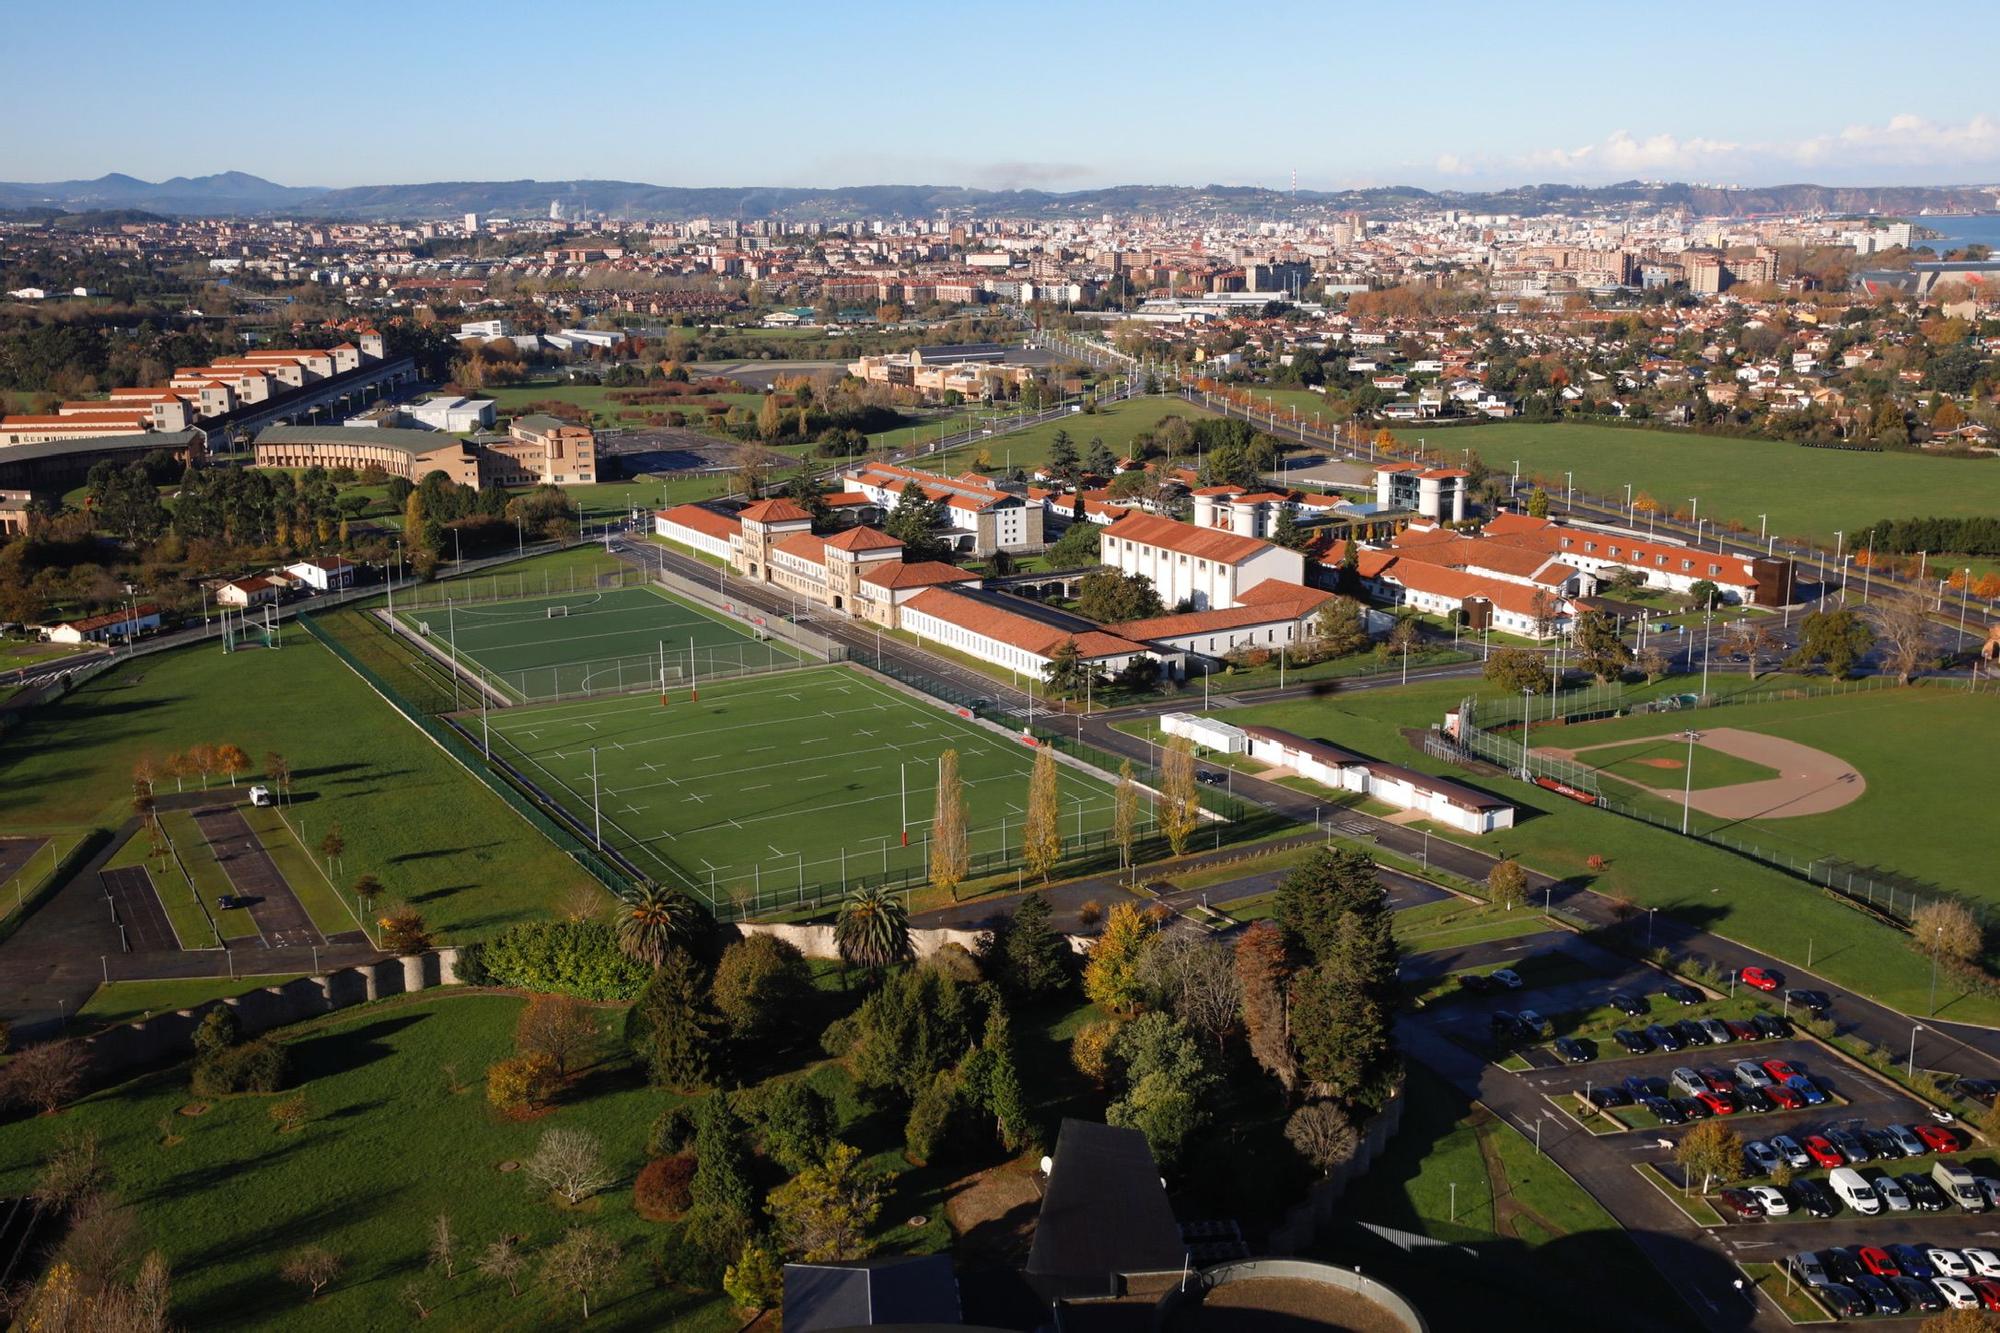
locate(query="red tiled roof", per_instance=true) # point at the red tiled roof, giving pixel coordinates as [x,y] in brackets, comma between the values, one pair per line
[864,539]
[774,511]
[1009,627]
[1206,543]
[895,574]
[700,518]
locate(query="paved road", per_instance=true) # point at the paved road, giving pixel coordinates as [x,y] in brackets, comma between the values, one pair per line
[281,918]
[137,904]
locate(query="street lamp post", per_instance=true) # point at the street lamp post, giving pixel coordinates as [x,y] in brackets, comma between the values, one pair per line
[1937,939]
[1910,1066]
[1687,793]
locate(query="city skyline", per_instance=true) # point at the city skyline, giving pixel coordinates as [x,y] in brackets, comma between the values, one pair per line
[1066,101]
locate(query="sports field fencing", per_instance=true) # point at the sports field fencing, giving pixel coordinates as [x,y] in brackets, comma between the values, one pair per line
[1492,733]
[516,587]
[800,636]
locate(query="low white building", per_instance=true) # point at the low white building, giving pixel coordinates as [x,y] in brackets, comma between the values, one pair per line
[120,624]
[451,414]
[983,628]
[1452,804]
[324,573]
[1219,737]
[1204,568]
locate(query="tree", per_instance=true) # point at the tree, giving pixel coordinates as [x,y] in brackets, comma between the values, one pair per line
[1341,627]
[569,1162]
[1111,977]
[1041,827]
[1322,1133]
[824,1212]
[1066,673]
[1653,664]
[992,1080]
[443,1252]
[1947,930]
[1034,960]
[914,522]
[74,1169]
[1311,900]
[872,930]
[1062,456]
[233,762]
[724,1206]
[291,1114]
[671,1028]
[1902,629]
[1179,811]
[1110,597]
[754,1281]
[311,1267]
[403,930]
[1961,1321]
[1703,595]
[560,1027]
[1193,976]
[951,849]
[1508,883]
[1168,1082]
[655,919]
[44,1076]
[1538,503]
[501,1261]
[1516,670]
[1286,531]
[1263,977]
[521,1082]
[1709,1152]
[1835,640]
[581,1262]
[1598,647]
[762,987]
[795,1123]
[1125,813]
[366,889]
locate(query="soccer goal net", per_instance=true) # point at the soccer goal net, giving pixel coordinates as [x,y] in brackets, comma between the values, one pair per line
[556,612]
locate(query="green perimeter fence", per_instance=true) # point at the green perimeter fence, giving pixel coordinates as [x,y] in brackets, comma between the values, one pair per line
[1497,738]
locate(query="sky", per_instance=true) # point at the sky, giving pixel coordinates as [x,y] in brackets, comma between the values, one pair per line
[1027,94]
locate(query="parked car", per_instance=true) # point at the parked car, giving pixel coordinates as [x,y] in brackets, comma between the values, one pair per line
[1984,1262]
[1750,1075]
[1788,1148]
[1685,1081]
[1507,977]
[1664,1037]
[1664,1111]
[1807,1267]
[1756,1099]
[1911,1260]
[1908,1141]
[1690,1108]
[1574,1051]
[1536,1024]
[1807,1089]
[1680,994]
[1761,1157]
[1813,1002]
[1477,983]
[1918,1294]
[1846,1302]
[1717,1078]
[1606,1098]
[1822,1151]
[1627,1003]
[1639,1085]
[1852,1189]
[1877,1260]
[1635,1042]
[1772,1200]
[1717,1032]
[1937,1138]
[1814,1198]
[1957,1293]
[1981,1090]
[1784,1098]
[1762,979]
[1892,1194]
[1771,1026]
[1882,1145]
[1740,1029]
[1989,1292]
[1781,1070]
[1850,1144]
[1925,1196]
[1719,1103]
[1212,778]
[1842,1263]
[1949,1263]
[1742,1203]
[1692,1032]
[1880,1294]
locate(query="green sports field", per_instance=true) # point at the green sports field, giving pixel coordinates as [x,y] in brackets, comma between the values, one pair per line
[780,783]
[1662,762]
[594,641]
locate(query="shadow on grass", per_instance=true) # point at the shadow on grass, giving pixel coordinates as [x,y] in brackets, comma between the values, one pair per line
[330,1054]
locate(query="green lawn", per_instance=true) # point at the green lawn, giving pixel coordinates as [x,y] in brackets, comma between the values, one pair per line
[426,828]
[1456,922]
[23,652]
[1115,424]
[1662,762]
[1655,868]
[609,639]
[1806,492]
[568,570]
[209,880]
[332,910]
[776,785]
[125,1001]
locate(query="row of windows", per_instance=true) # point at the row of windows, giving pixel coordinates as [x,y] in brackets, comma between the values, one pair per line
[1639,558]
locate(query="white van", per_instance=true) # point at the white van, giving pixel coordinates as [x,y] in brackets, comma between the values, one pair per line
[1854,1190]
[1958,1185]
[261,796]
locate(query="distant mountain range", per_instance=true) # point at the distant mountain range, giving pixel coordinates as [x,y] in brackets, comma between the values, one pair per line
[236,193]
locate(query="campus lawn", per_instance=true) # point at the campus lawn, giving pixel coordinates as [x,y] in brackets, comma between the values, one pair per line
[1662,762]
[1533,1228]
[124,1001]
[1805,492]
[1456,922]
[1655,868]
[778,785]
[331,908]
[428,830]
[1115,423]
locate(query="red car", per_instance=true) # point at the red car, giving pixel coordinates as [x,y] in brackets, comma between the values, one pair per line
[1781,1070]
[1721,1103]
[1761,978]
[1877,1261]
[1821,1150]
[1937,1138]
[1988,1289]
[1788,1099]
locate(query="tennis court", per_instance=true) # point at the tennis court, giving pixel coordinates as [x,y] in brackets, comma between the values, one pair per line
[594,641]
[781,782]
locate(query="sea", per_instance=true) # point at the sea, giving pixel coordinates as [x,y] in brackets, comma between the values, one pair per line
[1958,232]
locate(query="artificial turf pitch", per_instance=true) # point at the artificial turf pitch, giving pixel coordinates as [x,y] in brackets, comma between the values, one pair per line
[602,640]
[781,783]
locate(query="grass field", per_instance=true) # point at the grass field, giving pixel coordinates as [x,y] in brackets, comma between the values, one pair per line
[1115,424]
[432,833]
[1662,762]
[1926,763]
[780,781]
[1806,492]
[209,879]
[193,927]
[123,1001]
[610,639]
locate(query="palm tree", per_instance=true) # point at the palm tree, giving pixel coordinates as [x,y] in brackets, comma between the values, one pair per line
[655,919]
[873,929]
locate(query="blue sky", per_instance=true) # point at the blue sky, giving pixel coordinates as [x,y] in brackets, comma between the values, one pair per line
[1024,94]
